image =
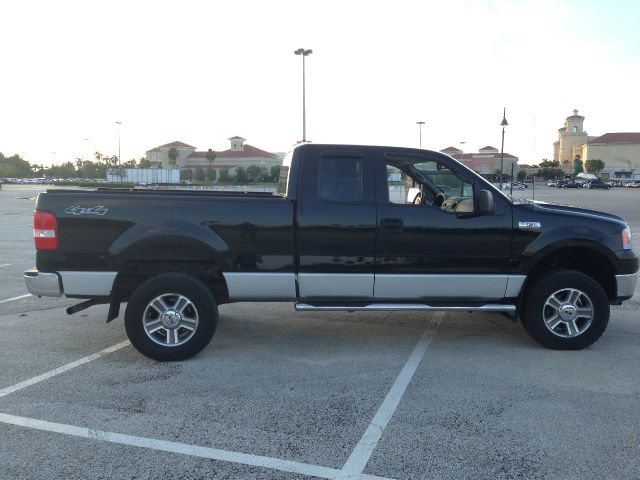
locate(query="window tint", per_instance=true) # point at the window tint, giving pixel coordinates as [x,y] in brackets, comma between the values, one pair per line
[340,179]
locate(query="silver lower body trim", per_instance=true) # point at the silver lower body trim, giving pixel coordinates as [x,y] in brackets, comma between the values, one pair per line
[335,285]
[87,284]
[465,286]
[386,307]
[42,284]
[261,286]
[514,285]
[626,284]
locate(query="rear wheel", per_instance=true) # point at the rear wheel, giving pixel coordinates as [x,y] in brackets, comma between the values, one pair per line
[565,310]
[171,316]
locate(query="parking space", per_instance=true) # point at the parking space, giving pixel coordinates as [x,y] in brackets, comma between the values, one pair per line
[281,395]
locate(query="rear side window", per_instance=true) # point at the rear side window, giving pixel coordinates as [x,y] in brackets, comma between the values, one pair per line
[340,180]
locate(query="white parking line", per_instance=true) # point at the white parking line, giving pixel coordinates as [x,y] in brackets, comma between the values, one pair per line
[360,456]
[62,369]
[180,448]
[15,298]
[6,265]
[352,469]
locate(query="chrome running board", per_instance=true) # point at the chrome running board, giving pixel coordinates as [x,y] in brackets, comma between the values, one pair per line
[386,307]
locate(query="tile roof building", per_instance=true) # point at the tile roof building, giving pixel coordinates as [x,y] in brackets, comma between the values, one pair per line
[238,155]
[486,161]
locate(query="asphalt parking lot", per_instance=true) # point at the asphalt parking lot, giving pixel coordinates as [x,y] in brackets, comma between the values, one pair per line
[286,395]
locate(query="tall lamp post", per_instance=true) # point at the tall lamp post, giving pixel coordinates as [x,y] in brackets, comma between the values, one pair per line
[119,123]
[304,53]
[503,124]
[420,128]
[462,151]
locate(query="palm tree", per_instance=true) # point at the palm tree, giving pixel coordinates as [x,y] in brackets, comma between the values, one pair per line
[210,156]
[173,156]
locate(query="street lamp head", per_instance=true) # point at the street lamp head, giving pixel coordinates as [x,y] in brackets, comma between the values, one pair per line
[504,122]
[420,123]
[303,52]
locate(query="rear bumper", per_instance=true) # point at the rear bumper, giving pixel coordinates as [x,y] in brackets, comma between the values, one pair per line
[43,284]
[69,283]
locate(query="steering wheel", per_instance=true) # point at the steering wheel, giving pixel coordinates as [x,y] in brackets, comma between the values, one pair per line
[439,199]
[418,199]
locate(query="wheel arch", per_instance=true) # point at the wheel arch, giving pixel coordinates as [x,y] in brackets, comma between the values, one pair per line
[151,249]
[585,257]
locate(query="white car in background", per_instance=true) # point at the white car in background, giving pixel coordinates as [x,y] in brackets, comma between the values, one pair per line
[516,186]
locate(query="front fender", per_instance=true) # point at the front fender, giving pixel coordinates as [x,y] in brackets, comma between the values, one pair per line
[583,237]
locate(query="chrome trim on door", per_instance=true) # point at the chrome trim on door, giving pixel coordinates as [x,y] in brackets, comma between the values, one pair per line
[260,286]
[90,284]
[335,285]
[415,287]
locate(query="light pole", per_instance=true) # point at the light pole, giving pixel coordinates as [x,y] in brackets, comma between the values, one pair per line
[119,123]
[503,124]
[304,53]
[462,151]
[420,126]
[533,184]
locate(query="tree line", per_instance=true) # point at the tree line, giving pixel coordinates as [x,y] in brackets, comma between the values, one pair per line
[549,169]
[16,167]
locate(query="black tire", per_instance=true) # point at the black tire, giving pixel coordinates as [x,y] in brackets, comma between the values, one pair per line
[184,329]
[548,310]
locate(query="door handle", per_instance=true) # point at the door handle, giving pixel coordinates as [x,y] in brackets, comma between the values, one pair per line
[391,225]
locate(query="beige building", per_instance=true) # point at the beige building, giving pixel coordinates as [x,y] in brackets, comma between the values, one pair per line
[571,138]
[238,155]
[619,151]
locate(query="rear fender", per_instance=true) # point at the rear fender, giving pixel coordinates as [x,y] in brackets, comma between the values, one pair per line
[149,236]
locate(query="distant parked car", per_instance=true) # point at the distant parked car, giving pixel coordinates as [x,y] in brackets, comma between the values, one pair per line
[516,186]
[520,184]
[571,185]
[552,183]
[598,184]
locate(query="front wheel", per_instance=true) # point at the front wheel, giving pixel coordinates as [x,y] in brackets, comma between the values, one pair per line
[171,316]
[565,310]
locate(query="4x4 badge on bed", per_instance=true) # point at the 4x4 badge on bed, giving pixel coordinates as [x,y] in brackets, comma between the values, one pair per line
[77,210]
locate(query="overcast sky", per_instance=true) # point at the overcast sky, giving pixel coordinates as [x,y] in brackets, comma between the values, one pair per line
[201,72]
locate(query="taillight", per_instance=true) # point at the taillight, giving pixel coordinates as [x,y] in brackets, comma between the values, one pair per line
[45,230]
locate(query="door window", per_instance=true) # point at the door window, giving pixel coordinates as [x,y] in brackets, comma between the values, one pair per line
[420,182]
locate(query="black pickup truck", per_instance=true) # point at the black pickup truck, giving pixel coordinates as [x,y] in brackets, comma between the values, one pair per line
[349,228]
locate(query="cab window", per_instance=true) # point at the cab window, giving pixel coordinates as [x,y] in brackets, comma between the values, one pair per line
[428,183]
